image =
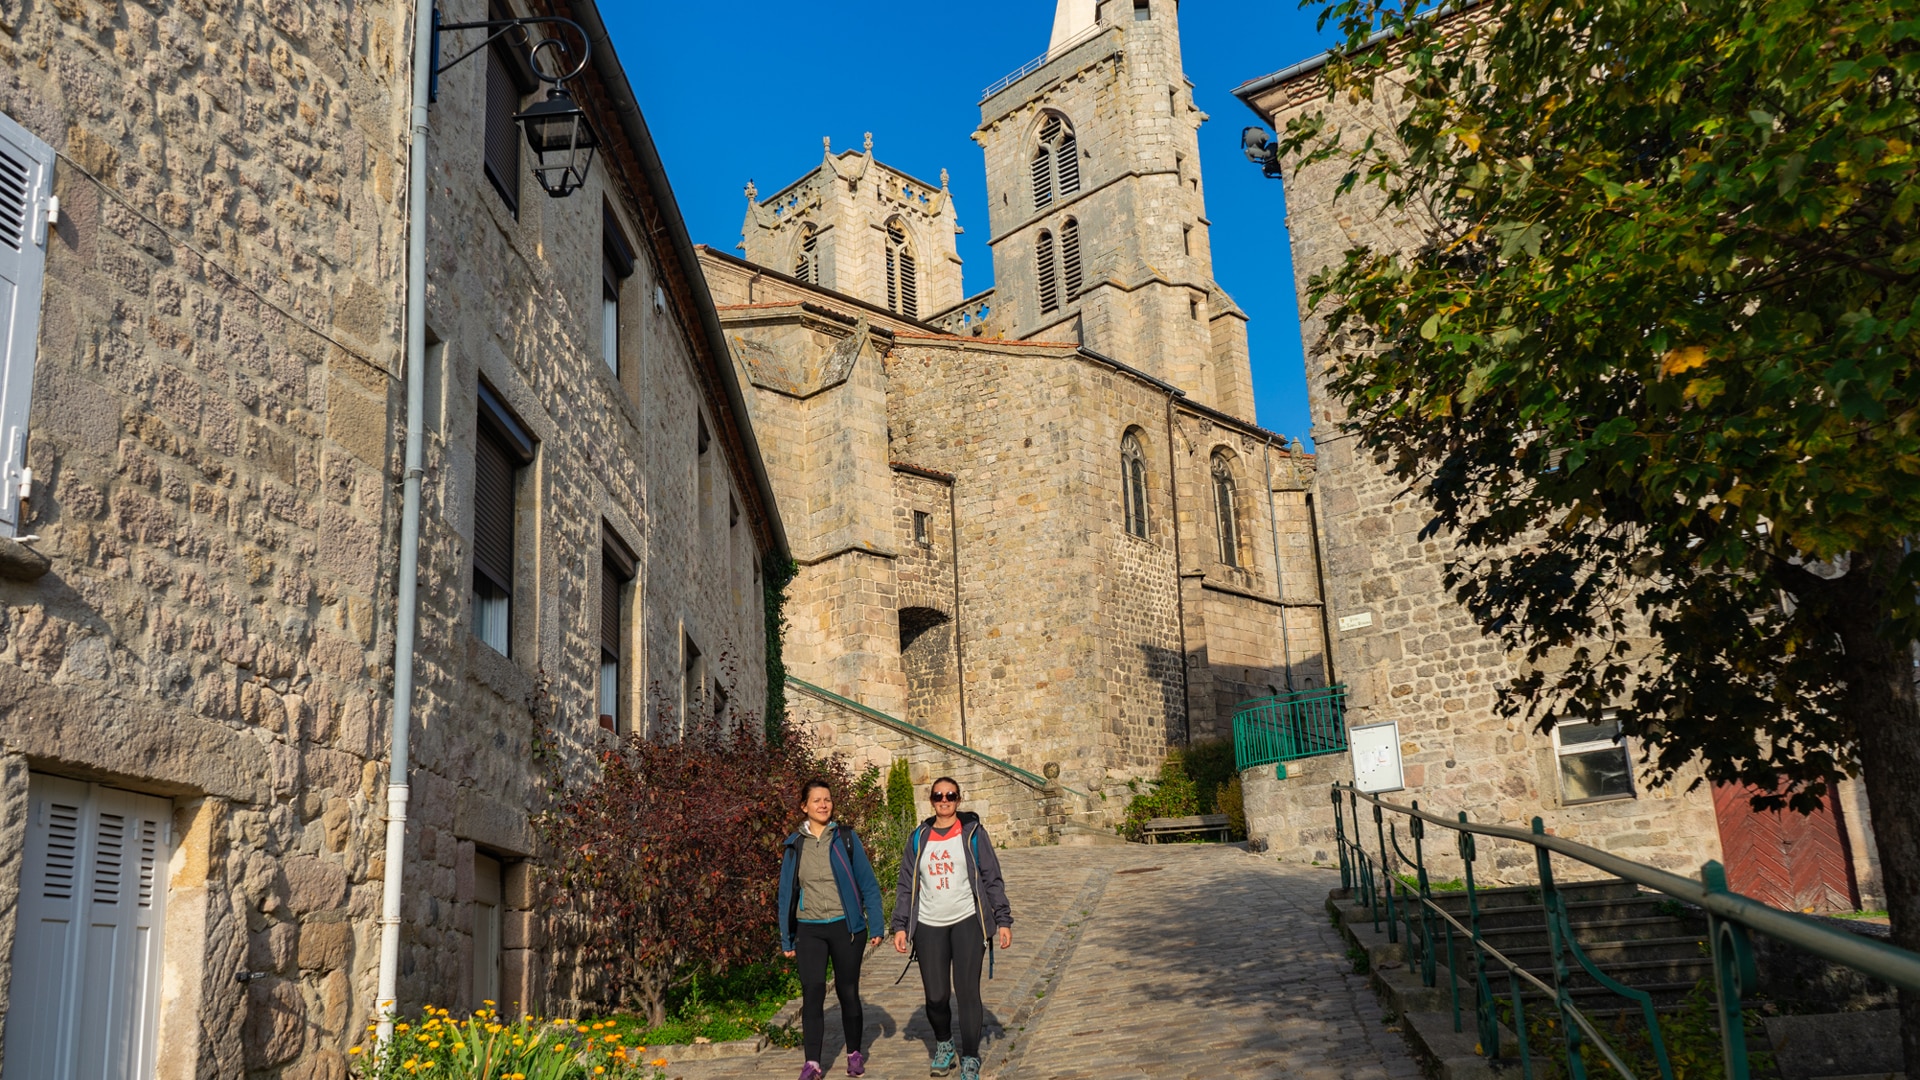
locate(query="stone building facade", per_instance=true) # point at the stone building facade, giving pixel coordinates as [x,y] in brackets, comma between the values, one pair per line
[197,603]
[1039,521]
[1407,651]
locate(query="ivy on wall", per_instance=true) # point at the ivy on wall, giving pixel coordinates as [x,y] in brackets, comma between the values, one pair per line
[776,572]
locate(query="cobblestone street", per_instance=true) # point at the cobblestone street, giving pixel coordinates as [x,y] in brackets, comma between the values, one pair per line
[1169,962]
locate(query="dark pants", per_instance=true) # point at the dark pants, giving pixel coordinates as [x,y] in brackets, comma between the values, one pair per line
[817,942]
[950,961]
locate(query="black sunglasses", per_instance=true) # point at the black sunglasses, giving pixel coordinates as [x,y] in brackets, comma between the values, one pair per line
[946,796]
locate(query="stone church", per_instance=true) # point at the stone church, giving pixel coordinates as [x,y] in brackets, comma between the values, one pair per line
[1040,521]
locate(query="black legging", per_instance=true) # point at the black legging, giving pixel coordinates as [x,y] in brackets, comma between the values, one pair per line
[817,941]
[950,962]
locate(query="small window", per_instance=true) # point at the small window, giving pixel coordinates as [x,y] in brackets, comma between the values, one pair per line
[501,142]
[616,265]
[806,258]
[1141,12]
[26,181]
[1056,163]
[1049,275]
[693,682]
[1133,484]
[1226,517]
[487,904]
[1594,763]
[903,286]
[616,570]
[920,529]
[501,448]
[1070,258]
[1186,239]
[1193,309]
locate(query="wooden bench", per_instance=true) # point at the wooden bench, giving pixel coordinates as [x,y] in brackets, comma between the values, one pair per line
[1175,826]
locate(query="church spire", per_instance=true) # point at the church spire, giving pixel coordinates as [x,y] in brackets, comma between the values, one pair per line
[1071,19]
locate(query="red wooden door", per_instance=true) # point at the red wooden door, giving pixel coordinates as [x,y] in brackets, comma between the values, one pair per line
[1800,862]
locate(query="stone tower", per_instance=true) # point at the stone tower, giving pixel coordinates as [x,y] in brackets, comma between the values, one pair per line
[861,228]
[1098,216]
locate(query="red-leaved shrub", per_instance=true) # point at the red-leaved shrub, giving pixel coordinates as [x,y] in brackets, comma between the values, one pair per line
[668,864]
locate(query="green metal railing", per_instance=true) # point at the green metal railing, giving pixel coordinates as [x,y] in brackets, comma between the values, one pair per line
[1279,729]
[1731,919]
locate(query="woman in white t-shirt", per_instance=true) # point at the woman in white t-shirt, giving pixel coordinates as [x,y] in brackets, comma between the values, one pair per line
[950,904]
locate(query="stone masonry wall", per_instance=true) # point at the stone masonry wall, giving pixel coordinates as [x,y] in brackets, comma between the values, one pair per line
[1015,812]
[1410,654]
[215,432]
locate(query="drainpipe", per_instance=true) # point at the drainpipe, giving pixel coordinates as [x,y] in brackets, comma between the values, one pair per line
[1320,578]
[1179,583]
[959,657]
[408,615]
[1279,582]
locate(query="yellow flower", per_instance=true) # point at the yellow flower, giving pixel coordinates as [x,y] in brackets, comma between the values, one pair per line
[459,1046]
[611,1038]
[659,1063]
[486,1001]
[355,1052]
[399,1027]
[518,1041]
[435,1045]
[599,1069]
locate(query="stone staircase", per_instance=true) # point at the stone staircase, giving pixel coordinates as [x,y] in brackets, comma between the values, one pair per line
[1644,940]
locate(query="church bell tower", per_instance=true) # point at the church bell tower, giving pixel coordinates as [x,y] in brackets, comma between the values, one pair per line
[1097,211]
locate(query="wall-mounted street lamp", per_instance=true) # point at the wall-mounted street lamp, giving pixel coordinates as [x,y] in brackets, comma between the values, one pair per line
[1261,150]
[562,138]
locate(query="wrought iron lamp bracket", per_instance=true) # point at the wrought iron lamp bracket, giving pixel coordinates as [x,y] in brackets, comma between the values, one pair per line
[501,28]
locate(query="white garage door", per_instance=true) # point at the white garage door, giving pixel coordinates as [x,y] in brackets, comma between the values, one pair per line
[86,956]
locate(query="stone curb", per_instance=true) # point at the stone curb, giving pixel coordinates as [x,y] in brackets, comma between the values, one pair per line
[1047,965]
[707,1051]
[1426,1013]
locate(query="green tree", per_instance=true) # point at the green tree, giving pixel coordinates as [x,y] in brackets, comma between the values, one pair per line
[1651,361]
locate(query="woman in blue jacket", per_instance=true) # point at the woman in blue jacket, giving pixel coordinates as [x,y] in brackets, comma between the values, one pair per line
[829,902]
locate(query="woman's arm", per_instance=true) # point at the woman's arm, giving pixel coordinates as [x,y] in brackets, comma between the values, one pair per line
[903,889]
[787,870]
[868,884]
[990,880]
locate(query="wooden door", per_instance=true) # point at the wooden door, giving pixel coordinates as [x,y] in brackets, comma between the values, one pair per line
[1800,862]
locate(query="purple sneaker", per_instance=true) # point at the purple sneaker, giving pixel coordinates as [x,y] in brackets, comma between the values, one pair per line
[856,1064]
[811,1071]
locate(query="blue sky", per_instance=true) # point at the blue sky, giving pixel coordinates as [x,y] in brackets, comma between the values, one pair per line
[735,92]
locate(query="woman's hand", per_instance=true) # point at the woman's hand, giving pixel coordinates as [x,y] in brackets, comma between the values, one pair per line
[874,942]
[1006,937]
[899,941]
[788,954]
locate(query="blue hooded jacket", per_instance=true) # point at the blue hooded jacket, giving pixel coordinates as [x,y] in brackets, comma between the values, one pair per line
[852,872]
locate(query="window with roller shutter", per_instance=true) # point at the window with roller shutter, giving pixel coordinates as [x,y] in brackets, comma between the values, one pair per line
[501,448]
[616,265]
[509,78]
[26,183]
[91,912]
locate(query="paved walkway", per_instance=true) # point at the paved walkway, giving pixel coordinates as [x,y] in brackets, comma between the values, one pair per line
[1170,962]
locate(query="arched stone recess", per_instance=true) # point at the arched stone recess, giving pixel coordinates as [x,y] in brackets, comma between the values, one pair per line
[927,659]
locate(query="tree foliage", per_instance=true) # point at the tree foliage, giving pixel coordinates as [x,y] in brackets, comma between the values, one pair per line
[667,864]
[1651,361]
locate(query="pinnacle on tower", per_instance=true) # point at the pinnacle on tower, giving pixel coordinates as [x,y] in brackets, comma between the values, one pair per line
[1071,19]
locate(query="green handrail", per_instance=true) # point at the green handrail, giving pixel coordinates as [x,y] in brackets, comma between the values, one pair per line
[1731,918]
[1025,777]
[1286,727]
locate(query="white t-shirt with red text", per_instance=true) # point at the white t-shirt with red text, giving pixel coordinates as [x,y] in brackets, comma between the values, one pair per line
[946,894]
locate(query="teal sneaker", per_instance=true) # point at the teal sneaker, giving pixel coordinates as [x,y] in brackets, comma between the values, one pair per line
[969,1069]
[943,1059]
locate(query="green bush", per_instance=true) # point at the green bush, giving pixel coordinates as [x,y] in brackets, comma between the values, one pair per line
[899,788]
[1209,763]
[1175,795]
[1232,802]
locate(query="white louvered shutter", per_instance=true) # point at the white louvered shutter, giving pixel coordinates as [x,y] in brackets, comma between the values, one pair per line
[92,903]
[26,182]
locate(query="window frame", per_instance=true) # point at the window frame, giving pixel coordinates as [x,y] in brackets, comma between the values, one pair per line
[1617,744]
[1133,486]
[616,266]
[495,424]
[24,267]
[618,568]
[1226,510]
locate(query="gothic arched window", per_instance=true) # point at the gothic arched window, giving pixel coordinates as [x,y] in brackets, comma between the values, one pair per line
[806,258]
[1070,258]
[1133,482]
[1225,518]
[903,287]
[1049,273]
[1056,162]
